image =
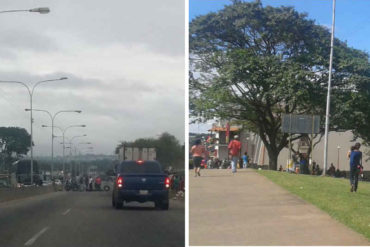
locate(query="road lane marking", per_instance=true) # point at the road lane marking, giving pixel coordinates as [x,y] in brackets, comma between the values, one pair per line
[66,212]
[34,238]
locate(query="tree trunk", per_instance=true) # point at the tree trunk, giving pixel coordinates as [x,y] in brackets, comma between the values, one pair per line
[273,159]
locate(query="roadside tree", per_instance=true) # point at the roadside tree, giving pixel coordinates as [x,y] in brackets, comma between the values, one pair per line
[252,64]
[13,141]
[169,151]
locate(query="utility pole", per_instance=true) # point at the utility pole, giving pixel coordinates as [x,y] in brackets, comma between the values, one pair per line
[328,96]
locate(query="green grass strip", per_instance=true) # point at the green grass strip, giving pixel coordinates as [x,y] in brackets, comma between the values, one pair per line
[332,195]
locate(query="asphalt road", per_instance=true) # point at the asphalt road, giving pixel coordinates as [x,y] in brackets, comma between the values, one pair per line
[88,219]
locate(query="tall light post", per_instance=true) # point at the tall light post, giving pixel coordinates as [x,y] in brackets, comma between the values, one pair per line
[31,91]
[42,10]
[64,131]
[328,96]
[72,126]
[338,147]
[52,117]
[90,149]
[71,145]
[71,141]
[81,143]
[79,163]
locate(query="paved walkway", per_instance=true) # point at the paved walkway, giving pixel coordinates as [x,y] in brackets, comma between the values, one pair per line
[249,209]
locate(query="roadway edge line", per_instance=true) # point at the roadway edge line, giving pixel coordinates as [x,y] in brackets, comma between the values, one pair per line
[66,212]
[36,236]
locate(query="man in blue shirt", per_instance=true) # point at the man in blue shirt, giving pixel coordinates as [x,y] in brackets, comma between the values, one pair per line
[355,166]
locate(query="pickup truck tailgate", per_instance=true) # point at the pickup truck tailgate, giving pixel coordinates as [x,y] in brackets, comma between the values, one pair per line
[144,181]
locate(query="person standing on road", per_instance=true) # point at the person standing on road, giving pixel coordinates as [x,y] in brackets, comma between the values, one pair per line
[245,160]
[355,166]
[182,183]
[198,151]
[97,183]
[90,183]
[86,182]
[176,183]
[234,150]
[209,163]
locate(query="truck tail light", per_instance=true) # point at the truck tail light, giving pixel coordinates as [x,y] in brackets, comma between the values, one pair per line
[119,182]
[167,183]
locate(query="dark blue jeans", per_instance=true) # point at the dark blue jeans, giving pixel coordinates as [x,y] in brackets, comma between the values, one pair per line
[353,176]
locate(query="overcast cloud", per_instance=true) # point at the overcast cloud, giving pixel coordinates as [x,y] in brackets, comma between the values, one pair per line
[124,61]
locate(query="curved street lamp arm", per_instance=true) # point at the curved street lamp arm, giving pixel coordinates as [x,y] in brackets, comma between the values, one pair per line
[42,10]
[17,10]
[77,137]
[76,125]
[39,82]
[78,111]
[51,117]
[19,82]
[54,127]
[59,128]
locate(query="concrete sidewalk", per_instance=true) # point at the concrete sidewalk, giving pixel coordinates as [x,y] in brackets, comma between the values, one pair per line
[249,209]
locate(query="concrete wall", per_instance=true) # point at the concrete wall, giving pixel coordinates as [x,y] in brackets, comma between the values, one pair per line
[342,139]
[258,154]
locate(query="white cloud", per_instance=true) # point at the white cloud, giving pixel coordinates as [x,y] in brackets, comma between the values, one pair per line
[124,61]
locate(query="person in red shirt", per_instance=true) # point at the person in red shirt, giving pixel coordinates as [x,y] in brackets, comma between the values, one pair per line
[97,183]
[234,150]
[199,152]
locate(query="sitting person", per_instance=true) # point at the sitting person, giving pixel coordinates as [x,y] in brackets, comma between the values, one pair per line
[331,170]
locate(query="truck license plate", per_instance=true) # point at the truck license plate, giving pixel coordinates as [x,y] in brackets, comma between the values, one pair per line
[143,192]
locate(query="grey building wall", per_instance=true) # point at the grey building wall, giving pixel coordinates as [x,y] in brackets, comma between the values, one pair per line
[341,139]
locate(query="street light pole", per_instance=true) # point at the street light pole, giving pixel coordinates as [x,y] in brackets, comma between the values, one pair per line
[42,10]
[31,96]
[74,137]
[328,96]
[52,117]
[338,147]
[71,145]
[64,131]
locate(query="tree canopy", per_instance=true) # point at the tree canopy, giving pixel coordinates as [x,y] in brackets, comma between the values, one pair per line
[252,64]
[169,151]
[13,140]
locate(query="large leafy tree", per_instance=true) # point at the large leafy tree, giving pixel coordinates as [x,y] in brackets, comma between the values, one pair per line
[169,151]
[252,64]
[13,140]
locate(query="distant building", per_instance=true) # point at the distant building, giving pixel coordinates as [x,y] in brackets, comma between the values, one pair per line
[338,146]
[250,142]
[92,171]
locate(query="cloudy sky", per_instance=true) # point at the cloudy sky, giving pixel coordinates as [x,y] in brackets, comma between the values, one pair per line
[124,61]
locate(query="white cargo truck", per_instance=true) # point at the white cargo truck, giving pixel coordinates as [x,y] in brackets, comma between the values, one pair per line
[136,153]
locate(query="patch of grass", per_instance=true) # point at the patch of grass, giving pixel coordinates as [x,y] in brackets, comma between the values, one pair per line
[332,195]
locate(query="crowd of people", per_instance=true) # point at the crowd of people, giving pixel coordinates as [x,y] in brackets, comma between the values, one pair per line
[83,183]
[201,159]
[200,156]
[177,183]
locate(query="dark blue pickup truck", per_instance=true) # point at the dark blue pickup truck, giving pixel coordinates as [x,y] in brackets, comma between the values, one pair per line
[140,181]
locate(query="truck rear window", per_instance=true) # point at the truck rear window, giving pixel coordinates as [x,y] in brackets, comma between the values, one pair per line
[133,167]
